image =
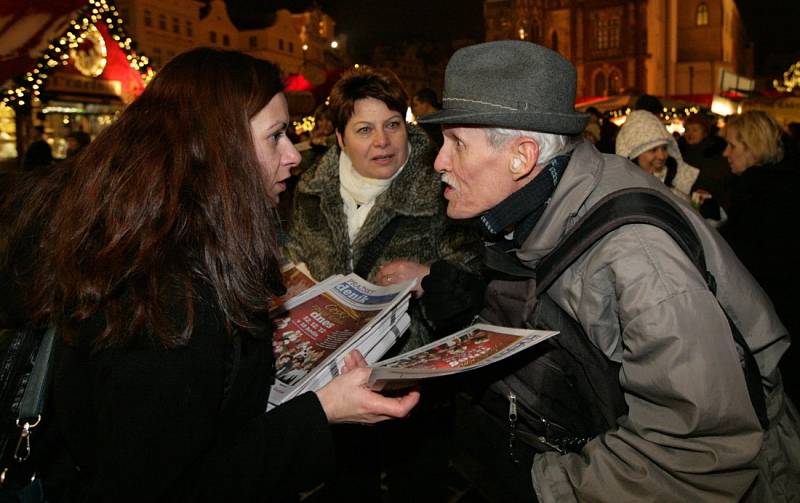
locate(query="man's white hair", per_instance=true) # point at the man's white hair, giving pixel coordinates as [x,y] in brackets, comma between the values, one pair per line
[550,145]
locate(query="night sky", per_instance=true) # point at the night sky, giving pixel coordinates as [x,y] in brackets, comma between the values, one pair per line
[369,23]
[771,24]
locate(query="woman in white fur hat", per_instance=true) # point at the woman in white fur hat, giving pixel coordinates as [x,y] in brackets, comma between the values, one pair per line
[644,140]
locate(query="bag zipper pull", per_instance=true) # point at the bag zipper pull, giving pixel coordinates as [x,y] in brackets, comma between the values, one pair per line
[512,425]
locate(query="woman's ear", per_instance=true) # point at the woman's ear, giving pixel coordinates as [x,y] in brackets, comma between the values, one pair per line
[339,139]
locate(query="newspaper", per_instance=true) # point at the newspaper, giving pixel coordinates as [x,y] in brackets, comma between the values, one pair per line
[474,347]
[298,280]
[317,328]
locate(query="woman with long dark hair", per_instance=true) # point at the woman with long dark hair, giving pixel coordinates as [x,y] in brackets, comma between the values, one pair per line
[154,252]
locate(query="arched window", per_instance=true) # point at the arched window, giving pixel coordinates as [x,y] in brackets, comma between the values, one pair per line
[701,18]
[600,84]
[614,82]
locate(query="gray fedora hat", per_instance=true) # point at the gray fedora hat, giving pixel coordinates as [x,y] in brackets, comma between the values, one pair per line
[510,84]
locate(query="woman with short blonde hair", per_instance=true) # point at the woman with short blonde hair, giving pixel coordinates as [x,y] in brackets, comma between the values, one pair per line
[763,218]
[760,135]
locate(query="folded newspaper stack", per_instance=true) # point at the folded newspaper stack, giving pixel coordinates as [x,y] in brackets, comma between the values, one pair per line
[317,327]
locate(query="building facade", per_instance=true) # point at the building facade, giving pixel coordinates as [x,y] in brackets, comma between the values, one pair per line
[661,47]
[297,43]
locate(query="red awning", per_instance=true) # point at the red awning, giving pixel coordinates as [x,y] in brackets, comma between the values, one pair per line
[297,82]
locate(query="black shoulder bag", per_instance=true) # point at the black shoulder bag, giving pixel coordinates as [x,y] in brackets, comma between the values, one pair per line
[24,376]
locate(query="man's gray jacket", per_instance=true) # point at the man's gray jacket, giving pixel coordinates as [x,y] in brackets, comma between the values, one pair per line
[691,433]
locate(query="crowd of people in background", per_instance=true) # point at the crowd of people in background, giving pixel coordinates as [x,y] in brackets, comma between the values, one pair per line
[161,314]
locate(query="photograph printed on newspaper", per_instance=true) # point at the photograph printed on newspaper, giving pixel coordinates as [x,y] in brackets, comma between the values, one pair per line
[315,330]
[474,347]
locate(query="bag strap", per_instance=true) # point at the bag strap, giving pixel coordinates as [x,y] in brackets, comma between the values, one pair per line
[623,207]
[645,206]
[33,400]
[32,403]
[375,247]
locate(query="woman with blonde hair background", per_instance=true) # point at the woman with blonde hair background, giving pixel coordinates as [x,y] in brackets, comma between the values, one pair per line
[764,216]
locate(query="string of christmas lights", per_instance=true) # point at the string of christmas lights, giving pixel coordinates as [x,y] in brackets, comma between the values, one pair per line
[667,114]
[27,88]
[791,79]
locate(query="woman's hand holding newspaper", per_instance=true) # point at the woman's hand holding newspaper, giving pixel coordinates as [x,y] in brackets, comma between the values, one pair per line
[346,399]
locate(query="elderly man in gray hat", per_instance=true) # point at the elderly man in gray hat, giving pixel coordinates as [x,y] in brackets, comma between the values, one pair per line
[513,157]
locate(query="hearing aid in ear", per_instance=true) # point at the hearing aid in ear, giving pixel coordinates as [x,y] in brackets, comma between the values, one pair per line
[516,164]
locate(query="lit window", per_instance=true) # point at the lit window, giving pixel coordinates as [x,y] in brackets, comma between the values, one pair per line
[607,30]
[601,37]
[702,14]
[613,33]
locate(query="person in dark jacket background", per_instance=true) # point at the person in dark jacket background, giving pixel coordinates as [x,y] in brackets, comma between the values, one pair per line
[703,150]
[39,153]
[763,219]
[155,256]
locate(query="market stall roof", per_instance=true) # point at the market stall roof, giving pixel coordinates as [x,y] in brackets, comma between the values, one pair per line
[785,108]
[26,30]
[623,101]
[40,37]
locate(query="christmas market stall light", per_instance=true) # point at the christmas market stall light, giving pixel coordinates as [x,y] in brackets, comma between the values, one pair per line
[304,125]
[791,79]
[671,114]
[27,88]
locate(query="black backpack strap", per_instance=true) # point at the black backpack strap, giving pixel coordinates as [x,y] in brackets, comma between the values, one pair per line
[645,206]
[374,249]
[498,260]
[623,207]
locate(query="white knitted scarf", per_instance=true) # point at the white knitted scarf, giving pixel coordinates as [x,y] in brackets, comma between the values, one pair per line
[359,192]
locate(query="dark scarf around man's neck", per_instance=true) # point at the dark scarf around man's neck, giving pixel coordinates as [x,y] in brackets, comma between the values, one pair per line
[521,210]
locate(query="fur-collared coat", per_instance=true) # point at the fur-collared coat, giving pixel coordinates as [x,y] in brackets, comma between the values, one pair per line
[318,225]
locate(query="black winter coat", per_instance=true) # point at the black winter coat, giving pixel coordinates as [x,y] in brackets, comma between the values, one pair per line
[187,424]
[762,230]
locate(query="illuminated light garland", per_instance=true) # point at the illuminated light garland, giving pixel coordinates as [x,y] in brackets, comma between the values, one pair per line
[791,79]
[619,115]
[55,56]
[304,125]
